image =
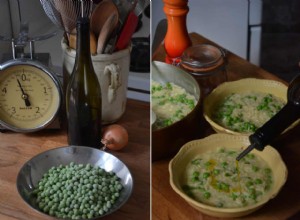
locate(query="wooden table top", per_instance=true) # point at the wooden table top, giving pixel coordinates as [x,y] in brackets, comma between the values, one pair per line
[166,204]
[16,149]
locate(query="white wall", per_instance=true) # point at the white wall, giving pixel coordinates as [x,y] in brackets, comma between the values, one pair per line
[222,21]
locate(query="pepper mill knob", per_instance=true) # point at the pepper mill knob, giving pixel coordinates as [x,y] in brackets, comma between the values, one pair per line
[177,38]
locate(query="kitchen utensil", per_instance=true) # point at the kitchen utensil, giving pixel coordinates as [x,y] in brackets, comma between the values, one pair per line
[112,71]
[100,15]
[278,123]
[66,12]
[33,170]
[52,13]
[107,29]
[124,7]
[140,6]
[127,31]
[160,33]
[177,38]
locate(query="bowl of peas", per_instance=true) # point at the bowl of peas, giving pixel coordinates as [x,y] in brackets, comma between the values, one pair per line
[240,107]
[75,182]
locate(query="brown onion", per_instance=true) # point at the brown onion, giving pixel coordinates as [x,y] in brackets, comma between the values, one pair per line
[115,137]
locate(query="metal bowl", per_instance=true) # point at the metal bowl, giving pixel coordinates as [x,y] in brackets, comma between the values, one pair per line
[33,170]
[167,141]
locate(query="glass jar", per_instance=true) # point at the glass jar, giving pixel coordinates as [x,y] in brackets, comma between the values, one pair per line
[207,64]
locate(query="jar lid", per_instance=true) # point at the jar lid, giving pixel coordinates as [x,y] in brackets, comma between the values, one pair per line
[202,57]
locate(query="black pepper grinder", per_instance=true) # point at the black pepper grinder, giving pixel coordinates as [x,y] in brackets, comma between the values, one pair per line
[277,124]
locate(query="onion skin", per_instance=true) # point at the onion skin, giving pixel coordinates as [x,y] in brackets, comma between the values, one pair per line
[115,137]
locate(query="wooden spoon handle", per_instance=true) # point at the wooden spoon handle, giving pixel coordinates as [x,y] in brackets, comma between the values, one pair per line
[106,31]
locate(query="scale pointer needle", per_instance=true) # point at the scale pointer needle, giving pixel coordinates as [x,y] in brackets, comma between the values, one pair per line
[24,95]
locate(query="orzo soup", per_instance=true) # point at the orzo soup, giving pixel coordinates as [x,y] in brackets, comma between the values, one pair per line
[245,112]
[217,179]
[170,103]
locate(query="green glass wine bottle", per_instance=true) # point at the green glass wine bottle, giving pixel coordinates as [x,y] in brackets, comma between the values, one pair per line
[83,95]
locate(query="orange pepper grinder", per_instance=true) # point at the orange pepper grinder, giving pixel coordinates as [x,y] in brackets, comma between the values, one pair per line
[177,38]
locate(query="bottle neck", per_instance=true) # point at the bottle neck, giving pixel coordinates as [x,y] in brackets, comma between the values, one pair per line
[83,39]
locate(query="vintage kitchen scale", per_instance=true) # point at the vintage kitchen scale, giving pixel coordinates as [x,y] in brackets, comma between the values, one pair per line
[30,92]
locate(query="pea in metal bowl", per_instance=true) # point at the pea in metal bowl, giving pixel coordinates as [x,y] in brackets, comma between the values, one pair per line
[33,170]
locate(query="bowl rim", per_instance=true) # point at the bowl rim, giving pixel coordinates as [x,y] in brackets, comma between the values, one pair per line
[190,145]
[81,147]
[223,87]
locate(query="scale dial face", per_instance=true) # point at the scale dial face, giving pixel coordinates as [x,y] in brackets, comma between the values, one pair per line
[30,98]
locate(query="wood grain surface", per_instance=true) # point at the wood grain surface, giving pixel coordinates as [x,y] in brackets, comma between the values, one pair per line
[166,204]
[16,149]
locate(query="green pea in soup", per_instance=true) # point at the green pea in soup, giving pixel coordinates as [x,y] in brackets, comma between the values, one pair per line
[245,112]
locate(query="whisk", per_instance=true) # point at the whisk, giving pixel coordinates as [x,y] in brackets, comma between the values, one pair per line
[140,6]
[64,13]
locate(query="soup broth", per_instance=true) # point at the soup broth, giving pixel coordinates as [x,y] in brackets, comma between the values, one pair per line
[217,179]
[245,112]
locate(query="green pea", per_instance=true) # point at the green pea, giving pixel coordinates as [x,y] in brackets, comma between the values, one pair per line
[255,168]
[249,184]
[196,174]
[196,161]
[208,163]
[234,196]
[258,181]
[224,164]
[71,191]
[253,196]
[216,171]
[207,195]
[206,175]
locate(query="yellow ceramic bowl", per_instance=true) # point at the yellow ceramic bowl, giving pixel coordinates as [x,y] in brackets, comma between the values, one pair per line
[211,102]
[179,163]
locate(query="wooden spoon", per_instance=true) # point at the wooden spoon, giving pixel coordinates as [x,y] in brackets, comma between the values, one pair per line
[107,29]
[101,13]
